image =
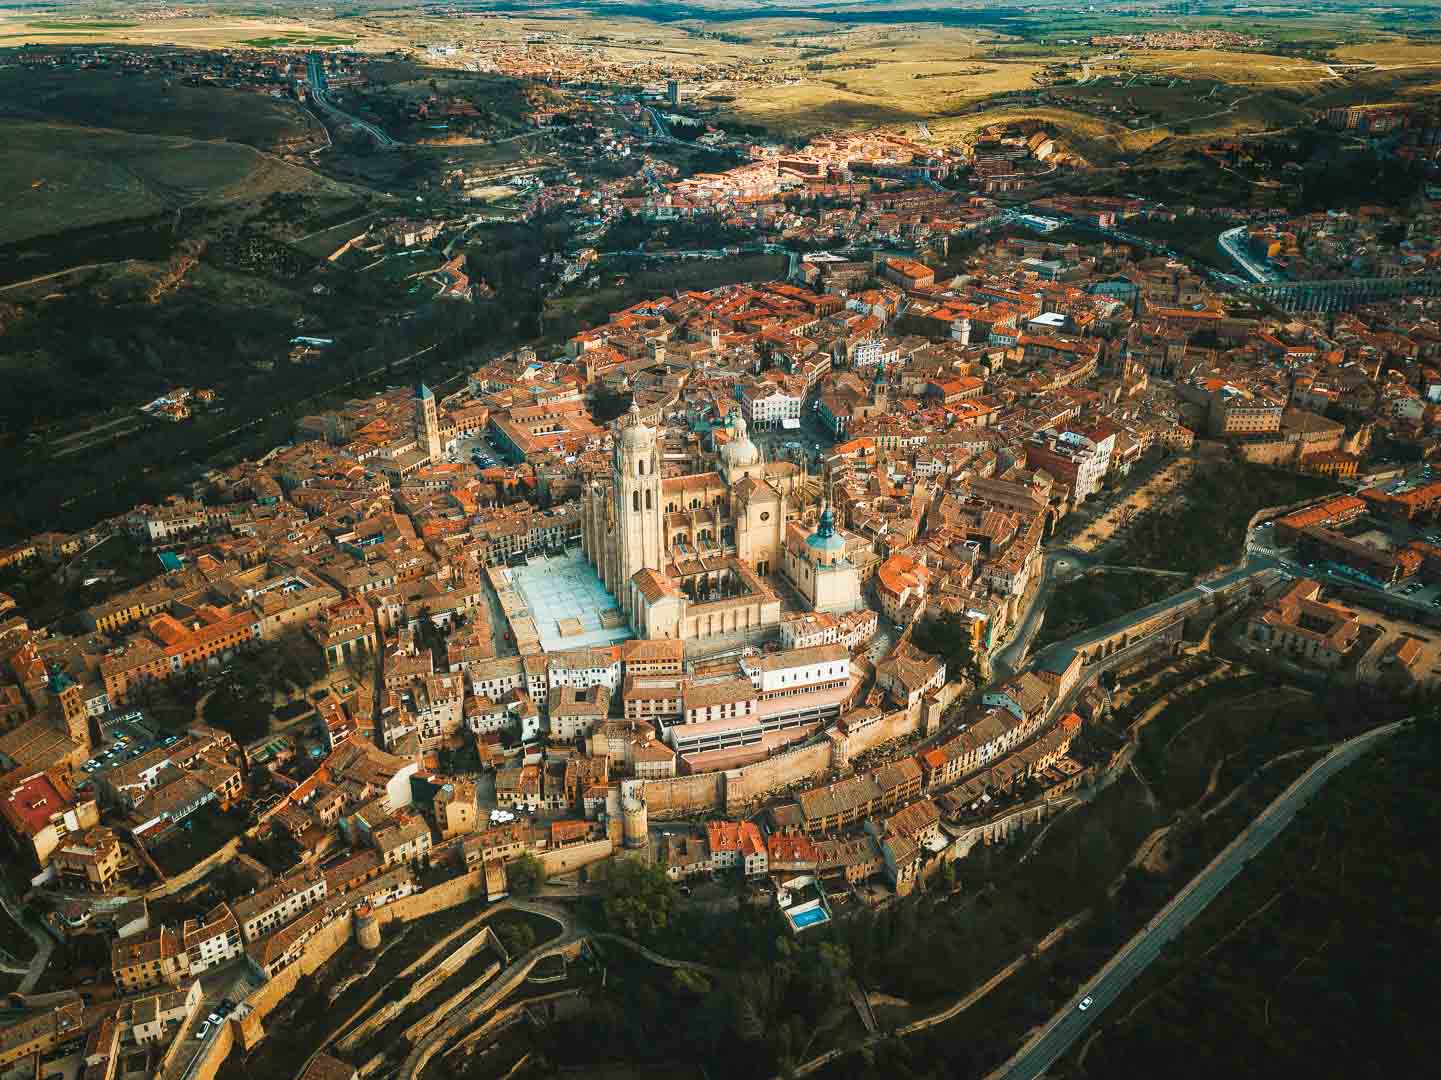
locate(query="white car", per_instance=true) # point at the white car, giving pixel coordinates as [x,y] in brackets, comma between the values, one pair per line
[1085,1003]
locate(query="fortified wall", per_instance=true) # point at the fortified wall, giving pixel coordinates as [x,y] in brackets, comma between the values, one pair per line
[684,795]
[754,782]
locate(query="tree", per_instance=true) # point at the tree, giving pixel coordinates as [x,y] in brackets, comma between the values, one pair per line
[948,637]
[516,938]
[638,898]
[525,875]
[607,404]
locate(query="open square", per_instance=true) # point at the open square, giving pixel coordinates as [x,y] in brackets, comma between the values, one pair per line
[568,603]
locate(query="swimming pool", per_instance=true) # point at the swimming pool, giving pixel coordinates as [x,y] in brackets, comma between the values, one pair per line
[810,917]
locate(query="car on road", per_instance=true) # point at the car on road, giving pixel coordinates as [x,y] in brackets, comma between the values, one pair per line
[204,1030]
[1085,1003]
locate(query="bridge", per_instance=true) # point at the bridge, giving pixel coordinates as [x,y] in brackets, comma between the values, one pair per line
[1341,294]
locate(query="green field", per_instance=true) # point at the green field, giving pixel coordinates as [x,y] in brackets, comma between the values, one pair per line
[82,25]
[286,40]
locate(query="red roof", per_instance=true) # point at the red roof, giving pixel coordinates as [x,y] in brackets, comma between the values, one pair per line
[35,801]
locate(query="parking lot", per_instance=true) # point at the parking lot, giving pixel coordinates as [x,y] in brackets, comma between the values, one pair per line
[1420,593]
[467,449]
[1109,516]
[124,739]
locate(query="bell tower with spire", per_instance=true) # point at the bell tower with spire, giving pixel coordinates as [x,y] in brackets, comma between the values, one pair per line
[427,422]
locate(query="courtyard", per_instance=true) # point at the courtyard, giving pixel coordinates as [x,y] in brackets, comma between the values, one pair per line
[568,603]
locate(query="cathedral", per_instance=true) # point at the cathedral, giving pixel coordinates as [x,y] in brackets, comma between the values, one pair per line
[689,556]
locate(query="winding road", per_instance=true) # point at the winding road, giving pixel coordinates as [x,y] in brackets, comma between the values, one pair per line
[1010,657]
[490,998]
[320,96]
[1063,1029]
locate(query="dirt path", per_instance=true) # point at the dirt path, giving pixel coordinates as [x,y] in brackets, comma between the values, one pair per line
[65,273]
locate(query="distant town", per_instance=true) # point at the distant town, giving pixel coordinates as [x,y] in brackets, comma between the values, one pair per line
[753,586]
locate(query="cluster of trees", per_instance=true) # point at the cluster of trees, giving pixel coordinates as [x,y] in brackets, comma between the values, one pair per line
[1096,598]
[607,404]
[1208,527]
[949,637]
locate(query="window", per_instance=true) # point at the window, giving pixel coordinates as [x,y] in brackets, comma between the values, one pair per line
[635,501]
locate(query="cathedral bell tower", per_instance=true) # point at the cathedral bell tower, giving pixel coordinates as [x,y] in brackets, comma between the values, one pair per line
[635,475]
[427,422]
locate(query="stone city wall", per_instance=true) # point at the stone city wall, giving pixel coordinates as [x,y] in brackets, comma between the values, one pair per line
[753,782]
[684,795]
[564,860]
[893,725]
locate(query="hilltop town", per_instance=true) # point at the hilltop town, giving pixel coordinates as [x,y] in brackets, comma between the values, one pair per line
[675,548]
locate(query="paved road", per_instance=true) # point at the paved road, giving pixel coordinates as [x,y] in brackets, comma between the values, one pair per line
[44,943]
[1256,563]
[1009,659]
[1068,1025]
[320,96]
[1232,242]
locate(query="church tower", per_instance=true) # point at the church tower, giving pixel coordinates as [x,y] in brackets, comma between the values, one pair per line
[427,422]
[635,477]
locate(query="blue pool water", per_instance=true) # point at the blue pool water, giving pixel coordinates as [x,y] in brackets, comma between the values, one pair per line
[809,918]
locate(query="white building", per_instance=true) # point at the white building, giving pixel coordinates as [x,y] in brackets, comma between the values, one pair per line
[494,679]
[437,703]
[767,405]
[584,668]
[277,904]
[798,671]
[211,940]
[883,351]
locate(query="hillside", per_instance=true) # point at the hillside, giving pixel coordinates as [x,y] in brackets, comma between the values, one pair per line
[56,178]
[1320,960]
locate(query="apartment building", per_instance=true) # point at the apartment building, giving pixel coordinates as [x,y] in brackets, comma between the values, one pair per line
[211,939]
[270,908]
[656,698]
[89,861]
[154,957]
[575,712]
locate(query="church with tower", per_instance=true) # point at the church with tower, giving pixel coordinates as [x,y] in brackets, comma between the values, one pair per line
[427,422]
[692,556]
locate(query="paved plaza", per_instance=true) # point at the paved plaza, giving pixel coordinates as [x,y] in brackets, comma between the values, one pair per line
[568,603]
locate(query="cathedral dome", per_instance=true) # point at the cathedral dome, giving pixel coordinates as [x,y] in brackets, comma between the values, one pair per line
[740,452]
[634,435]
[825,538]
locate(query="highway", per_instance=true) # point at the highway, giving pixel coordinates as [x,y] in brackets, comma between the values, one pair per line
[320,96]
[1068,1025]
[1232,242]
